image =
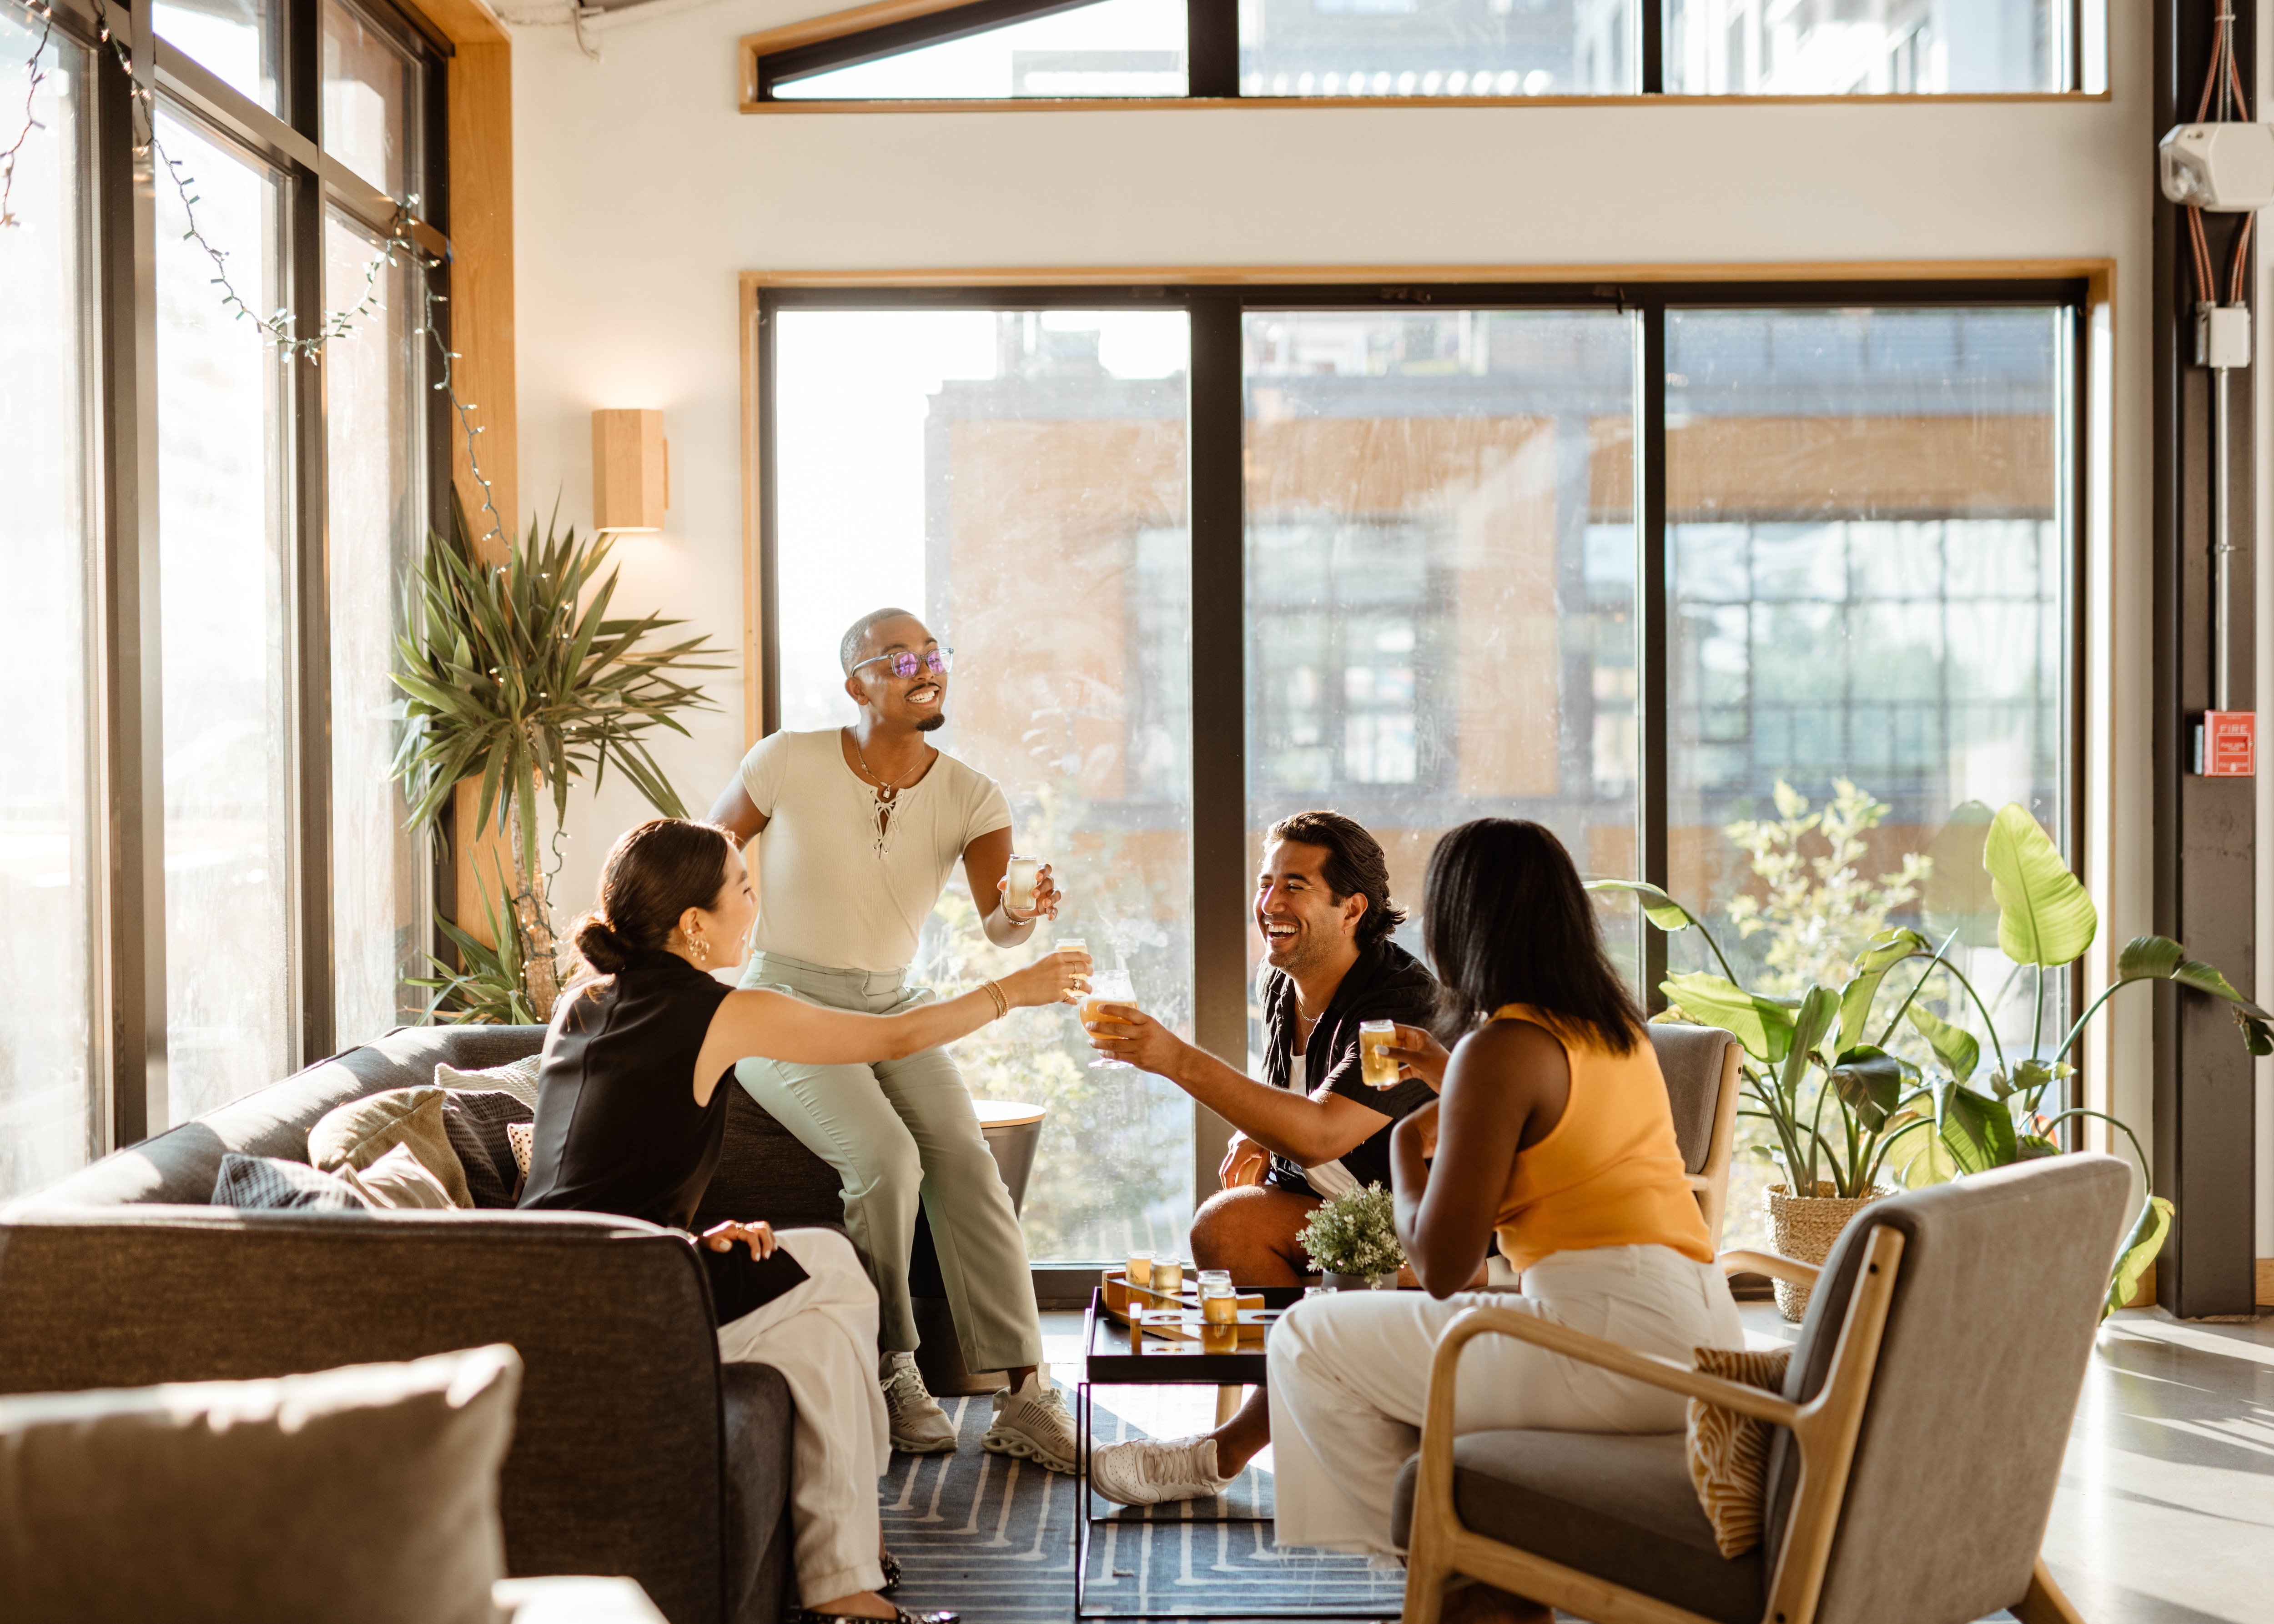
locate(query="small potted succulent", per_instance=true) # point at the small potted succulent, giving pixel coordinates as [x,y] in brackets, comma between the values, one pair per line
[1352,1240]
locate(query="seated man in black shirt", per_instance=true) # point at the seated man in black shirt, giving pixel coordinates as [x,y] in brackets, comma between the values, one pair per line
[1322,903]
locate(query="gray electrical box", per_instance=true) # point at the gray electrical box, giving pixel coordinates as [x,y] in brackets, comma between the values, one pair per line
[2223,335]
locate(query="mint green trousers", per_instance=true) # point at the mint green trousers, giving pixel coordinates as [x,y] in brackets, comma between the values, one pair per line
[899,1132]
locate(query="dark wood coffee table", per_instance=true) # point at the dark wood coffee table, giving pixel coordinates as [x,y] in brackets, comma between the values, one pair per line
[1115,1355]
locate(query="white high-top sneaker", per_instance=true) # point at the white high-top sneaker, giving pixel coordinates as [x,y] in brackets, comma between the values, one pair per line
[1032,1423]
[919,1425]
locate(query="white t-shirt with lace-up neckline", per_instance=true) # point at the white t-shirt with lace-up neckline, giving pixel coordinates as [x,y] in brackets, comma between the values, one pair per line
[827,894]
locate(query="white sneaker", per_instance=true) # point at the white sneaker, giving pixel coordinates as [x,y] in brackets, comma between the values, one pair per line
[1032,1423]
[1144,1471]
[919,1425]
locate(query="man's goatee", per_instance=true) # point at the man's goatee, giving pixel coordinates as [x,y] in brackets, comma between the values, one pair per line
[933,723]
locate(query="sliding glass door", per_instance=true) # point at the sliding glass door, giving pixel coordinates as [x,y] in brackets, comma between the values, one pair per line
[1776,629]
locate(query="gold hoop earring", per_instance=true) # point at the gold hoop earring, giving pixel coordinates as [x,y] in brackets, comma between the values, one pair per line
[702,951]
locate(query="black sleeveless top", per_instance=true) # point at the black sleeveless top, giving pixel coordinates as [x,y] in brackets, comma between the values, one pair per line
[618,1130]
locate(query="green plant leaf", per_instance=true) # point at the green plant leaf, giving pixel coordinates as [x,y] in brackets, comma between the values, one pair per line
[1953,1046]
[1870,1084]
[1920,1158]
[1880,955]
[2139,1251]
[2144,958]
[2044,916]
[1811,1022]
[1762,1024]
[1659,908]
[1976,1130]
[1957,896]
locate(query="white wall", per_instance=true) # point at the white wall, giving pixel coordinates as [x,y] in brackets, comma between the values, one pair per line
[641,193]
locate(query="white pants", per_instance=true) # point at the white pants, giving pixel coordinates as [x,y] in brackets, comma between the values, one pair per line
[821,1334]
[1349,1377]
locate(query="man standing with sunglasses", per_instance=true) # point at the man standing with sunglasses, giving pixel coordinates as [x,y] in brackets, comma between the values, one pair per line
[859,830]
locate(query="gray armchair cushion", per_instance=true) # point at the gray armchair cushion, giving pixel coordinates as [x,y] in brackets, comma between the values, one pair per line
[1691,1057]
[1619,1508]
[758,1415]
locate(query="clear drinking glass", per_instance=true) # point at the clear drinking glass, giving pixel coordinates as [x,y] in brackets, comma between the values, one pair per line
[1019,888]
[1141,1269]
[1219,1305]
[1111,986]
[1375,1038]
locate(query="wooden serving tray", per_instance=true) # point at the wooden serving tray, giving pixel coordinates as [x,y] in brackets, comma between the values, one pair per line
[1159,1313]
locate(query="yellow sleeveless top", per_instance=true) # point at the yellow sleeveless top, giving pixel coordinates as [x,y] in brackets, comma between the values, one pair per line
[1610,1173]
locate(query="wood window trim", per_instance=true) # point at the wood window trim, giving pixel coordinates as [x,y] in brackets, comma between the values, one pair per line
[887,13]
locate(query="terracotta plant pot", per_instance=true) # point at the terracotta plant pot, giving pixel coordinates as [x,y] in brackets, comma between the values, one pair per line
[1803,1227]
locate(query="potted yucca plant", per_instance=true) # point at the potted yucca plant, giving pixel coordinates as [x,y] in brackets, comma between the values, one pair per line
[519,678]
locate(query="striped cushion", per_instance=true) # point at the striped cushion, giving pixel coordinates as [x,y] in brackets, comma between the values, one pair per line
[1729,1452]
[267,1181]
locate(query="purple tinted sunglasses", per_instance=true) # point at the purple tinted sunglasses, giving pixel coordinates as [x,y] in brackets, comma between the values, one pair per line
[939,662]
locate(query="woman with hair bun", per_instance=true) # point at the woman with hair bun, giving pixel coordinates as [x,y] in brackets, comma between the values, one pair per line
[631,1116]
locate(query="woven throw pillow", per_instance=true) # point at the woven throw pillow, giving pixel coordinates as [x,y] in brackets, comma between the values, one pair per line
[478,1125]
[361,1132]
[267,1182]
[398,1179]
[522,1137]
[366,1495]
[1729,1452]
[518,1079]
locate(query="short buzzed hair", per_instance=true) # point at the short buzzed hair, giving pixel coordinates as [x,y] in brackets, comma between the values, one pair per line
[856,635]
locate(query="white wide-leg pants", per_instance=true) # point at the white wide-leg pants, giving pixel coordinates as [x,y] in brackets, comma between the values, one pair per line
[821,1334]
[1349,1377]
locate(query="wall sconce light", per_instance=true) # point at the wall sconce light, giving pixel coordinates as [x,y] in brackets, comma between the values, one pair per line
[631,471]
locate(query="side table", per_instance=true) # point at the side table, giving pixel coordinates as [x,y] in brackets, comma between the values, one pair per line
[1115,1355]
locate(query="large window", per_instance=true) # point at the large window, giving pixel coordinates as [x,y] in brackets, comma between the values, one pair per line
[51,1074]
[207,534]
[1440,576]
[1016,477]
[1482,564]
[1008,50]
[377,502]
[224,405]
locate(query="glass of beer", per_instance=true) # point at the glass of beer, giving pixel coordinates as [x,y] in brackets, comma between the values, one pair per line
[1214,1277]
[1141,1269]
[1168,1276]
[1375,1038]
[1018,887]
[1219,1305]
[1110,986]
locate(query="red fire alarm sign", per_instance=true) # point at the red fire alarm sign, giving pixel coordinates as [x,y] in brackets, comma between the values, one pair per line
[2226,744]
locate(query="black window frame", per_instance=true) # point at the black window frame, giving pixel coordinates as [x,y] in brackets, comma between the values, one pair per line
[1216,420]
[126,724]
[1212,62]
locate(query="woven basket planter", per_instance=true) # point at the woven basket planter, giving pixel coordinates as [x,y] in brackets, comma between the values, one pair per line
[1803,1227]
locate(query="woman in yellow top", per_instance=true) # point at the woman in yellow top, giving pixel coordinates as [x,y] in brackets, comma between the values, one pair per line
[1553,1129]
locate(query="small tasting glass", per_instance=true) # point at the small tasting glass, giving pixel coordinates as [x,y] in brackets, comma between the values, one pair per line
[1168,1276]
[1214,1277]
[1141,1269]
[1375,1038]
[1112,987]
[1218,1304]
[1019,888]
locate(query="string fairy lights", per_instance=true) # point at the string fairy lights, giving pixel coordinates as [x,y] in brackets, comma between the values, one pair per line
[277,327]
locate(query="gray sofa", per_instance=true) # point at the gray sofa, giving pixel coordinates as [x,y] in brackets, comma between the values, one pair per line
[634,1451]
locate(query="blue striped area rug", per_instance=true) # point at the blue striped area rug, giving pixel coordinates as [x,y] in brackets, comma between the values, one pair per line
[992,1538]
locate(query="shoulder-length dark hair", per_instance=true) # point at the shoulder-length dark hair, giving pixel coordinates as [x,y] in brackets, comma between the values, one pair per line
[1506,920]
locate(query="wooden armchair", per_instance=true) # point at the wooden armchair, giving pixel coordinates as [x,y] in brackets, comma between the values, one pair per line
[1702,1084]
[1920,1433]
